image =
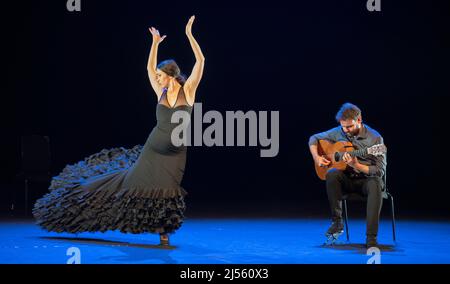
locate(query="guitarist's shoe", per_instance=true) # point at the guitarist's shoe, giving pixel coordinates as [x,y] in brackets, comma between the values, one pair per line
[371,241]
[336,229]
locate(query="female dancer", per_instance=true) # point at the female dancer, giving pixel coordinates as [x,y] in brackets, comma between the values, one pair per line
[132,190]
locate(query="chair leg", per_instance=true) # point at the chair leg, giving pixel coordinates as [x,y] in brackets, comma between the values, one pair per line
[12,208]
[393,217]
[345,219]
[26,197]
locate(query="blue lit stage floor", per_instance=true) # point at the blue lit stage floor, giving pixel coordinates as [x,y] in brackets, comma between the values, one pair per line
[229,241]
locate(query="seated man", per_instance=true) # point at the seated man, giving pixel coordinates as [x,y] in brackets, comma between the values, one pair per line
[364,175]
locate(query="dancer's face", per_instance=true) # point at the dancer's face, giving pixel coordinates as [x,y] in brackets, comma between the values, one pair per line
[351,127]
[162,78]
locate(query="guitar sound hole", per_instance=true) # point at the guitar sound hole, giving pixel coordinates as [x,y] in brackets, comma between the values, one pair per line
[337,156]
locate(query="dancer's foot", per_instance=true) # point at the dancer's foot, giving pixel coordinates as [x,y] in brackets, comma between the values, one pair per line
[164,239]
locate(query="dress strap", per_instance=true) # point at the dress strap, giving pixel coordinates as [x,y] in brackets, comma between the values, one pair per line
[180,100]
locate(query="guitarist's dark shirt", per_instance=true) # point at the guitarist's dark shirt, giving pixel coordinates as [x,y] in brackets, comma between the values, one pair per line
[367,137]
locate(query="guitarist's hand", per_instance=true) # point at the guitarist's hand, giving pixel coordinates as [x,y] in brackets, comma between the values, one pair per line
[322,161]
[349,160]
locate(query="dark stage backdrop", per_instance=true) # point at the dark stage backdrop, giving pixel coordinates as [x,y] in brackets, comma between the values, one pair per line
[81,79]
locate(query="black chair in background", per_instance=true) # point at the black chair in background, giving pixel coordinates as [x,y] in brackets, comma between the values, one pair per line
[359,197]
[35,165]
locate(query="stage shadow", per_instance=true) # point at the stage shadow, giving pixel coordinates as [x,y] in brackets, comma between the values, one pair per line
[125,252]
[108,242]
[358,247]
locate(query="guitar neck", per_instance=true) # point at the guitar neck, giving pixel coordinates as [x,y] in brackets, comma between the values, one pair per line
[355,153]
[358,153]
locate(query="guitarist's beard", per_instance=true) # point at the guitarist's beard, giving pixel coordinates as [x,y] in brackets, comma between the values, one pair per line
[353,134]
[350,135]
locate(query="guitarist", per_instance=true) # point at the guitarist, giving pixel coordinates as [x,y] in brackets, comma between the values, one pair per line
[364,175]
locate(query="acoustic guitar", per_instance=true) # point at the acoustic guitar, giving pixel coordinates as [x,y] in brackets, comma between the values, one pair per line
[335,151]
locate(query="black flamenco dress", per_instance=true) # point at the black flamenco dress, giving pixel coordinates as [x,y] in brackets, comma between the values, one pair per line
[132,190]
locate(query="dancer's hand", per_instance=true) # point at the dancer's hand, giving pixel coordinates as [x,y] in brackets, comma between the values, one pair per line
[189,26]
[156,36]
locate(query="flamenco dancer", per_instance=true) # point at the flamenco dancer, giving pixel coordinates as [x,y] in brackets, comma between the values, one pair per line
[132,190]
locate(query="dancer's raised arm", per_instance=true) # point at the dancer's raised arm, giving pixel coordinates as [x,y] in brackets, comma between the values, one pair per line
[152,61]
[194,79]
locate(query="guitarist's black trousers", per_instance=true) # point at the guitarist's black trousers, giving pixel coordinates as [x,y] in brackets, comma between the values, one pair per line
[341,182]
